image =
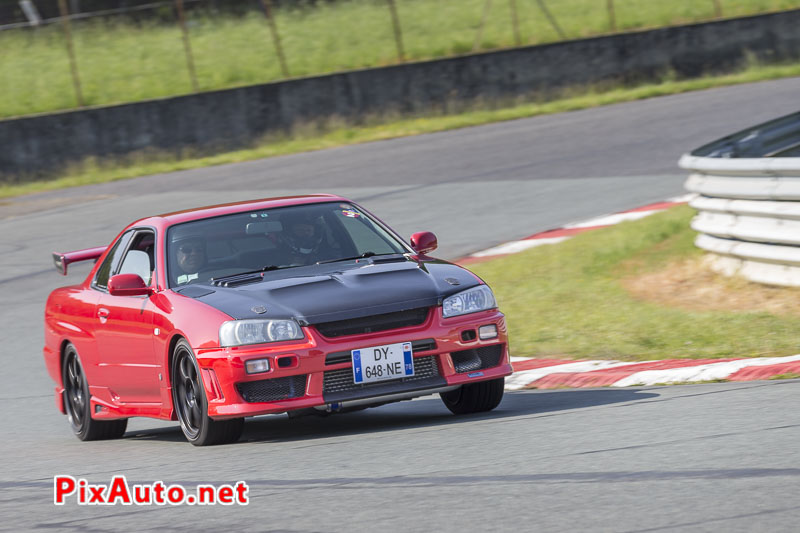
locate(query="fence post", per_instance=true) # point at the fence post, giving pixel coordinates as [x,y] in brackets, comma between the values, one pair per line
[486,7]
[187,45]
[515,21]
[552,19]
[717,9]
[398,33]
[612,18]
[73,64]
[276,38]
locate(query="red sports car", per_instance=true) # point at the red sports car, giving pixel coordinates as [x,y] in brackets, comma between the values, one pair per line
[300,304]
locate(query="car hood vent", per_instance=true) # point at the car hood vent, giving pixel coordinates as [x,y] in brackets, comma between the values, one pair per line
[329,293]
[399,258]
[236,281]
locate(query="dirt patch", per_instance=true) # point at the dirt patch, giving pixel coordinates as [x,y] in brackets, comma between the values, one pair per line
[691,284]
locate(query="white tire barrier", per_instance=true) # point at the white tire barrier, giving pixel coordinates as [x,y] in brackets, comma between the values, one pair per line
[748,201]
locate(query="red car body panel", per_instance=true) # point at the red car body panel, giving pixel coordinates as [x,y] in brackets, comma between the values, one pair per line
[125,342]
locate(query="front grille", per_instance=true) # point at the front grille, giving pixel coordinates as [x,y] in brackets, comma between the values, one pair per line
[371,324]
[342,380]
[273,390]
[335,358]
[477,358]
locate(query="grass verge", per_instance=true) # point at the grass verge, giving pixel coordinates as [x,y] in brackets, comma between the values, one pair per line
[121,59]
[569,300]
[788,375]
[335,133]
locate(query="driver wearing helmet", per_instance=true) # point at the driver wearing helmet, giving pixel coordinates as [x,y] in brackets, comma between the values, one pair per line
[303,238]
[190,260]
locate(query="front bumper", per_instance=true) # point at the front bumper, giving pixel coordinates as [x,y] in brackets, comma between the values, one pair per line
[317,372]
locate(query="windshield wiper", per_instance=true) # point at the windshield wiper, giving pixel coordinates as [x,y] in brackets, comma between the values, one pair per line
[362,256]
[221,279]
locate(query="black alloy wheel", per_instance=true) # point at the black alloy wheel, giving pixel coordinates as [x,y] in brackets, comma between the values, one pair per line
[78,406]
[191,405]
[475,397]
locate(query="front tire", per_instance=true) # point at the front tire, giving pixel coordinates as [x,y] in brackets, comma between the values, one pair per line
[78,405]
[475,397]
[191,405]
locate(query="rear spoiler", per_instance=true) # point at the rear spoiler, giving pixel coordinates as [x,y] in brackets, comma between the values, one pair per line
[62,260]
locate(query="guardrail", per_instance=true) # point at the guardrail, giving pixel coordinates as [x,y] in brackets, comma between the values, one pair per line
[748,201]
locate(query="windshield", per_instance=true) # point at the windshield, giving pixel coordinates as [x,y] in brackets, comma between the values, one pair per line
[273,239]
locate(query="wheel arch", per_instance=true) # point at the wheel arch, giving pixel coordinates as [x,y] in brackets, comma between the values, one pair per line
[60,390]
[62,351]
[173,342]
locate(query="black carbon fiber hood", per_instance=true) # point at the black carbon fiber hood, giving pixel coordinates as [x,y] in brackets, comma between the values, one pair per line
[324,293]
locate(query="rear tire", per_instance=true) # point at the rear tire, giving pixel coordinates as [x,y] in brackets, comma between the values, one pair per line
[475,397]
[78,405]
[191,405]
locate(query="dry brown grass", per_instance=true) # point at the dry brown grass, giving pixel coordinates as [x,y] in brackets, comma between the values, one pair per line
[691,284]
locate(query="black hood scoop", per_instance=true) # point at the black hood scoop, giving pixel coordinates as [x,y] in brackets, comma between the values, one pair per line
[332,292]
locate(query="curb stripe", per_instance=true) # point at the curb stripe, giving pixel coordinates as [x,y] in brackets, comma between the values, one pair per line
[611,220]
[556,373]
[602,378]
[556,235]
[520,380]
[710,372]
[660,205]
[522,363]
[514,247]
[561,233]
[765,372]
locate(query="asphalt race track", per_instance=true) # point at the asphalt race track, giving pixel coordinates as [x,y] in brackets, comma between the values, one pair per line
[708,457]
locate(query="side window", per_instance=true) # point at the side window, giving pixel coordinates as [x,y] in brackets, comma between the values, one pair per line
[140,258]
[137,262]
[111,260]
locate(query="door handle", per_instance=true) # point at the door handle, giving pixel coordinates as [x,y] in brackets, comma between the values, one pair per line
[102,314]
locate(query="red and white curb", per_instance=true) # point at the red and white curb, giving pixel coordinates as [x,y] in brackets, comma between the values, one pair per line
[555,373]
[557,235]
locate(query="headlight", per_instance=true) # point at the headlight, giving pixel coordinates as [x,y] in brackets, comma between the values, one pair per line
[237,332]
[470,301]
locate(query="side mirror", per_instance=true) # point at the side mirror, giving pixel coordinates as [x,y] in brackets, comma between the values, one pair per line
[424,242]
[128,285]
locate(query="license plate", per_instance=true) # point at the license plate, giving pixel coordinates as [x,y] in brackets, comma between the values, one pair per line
[380,363]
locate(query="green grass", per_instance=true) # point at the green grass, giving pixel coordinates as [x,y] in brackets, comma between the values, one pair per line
[788,375]
[119,61]
[336,133]
[567,299]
